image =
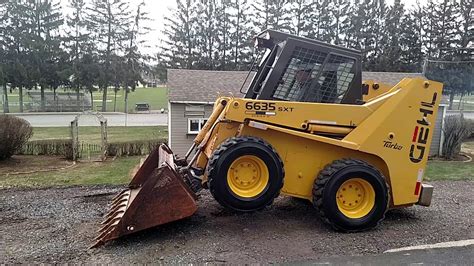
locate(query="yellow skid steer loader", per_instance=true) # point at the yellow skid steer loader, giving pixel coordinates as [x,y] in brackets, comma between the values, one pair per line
[308,127]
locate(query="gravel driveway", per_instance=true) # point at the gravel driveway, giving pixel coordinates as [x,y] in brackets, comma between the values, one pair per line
[57,226]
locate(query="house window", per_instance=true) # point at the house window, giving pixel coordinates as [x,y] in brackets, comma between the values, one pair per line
[195,125]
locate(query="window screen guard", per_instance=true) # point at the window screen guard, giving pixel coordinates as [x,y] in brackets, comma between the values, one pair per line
[315,76]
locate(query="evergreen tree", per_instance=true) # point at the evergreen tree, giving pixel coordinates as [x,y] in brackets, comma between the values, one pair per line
[272,14]
[389,47]
[361,32]
[466,28]
[207,34]
[41,19]
[325,30]
[341,15]
[78,43]
[179,46]
[241,35]
[440,27]
[411,54]
[108,22]
[133,65]
[302,13]
[18,59]
[5,43]
[224,25]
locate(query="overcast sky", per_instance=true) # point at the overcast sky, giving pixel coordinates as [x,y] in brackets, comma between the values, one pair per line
[158,9]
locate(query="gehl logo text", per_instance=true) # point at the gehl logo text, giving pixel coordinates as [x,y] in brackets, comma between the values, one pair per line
[422,131]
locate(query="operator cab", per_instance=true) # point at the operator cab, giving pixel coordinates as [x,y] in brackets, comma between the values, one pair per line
[303,70]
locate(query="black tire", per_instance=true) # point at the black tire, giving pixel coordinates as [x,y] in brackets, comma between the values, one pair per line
[329,181]
[221,160]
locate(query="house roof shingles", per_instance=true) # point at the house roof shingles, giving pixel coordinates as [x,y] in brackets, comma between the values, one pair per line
[186,85]
[204,85]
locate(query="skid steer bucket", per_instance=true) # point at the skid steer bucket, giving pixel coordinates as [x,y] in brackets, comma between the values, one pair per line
[156,195]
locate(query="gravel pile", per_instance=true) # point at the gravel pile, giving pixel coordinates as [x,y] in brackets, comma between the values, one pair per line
[58,225]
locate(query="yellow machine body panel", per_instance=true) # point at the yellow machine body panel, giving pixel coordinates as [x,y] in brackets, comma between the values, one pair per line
[374,89]
[392,131]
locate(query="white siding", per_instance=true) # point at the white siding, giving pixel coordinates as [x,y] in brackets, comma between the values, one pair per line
[178,126]
[435,143]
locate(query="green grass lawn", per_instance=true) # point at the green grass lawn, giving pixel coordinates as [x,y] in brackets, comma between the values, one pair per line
[119,172]
[110,172]
[156,97]
[446,170]
[92,134]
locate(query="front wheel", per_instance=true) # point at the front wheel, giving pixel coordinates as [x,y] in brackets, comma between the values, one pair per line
[351,195]
[245,174]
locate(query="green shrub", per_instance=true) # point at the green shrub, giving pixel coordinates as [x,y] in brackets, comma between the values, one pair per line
[14,133]
[470,126]
[141,147]
[62,147]
[456,130]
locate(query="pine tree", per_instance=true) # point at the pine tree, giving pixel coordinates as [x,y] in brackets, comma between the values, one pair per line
[272,14]
[441,33]
[361,31]
[179,48]
[447,29]
[440,27]
[108,21]
[132,66]
[341,15]
[302,13]
[389,47]
[324,21]
[42,21]
[78,43]
[224,55]
[380,35]
[411,54]
[207,33]
[241,35]
[5,43]
[466,27]
[19,62]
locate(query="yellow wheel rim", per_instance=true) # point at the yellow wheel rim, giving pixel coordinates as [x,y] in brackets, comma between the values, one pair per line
[248,176]
[355,198]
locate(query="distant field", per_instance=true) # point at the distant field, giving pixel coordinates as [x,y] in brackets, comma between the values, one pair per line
[157,98]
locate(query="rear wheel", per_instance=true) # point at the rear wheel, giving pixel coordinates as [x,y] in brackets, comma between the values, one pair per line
[351,195]
[245,174]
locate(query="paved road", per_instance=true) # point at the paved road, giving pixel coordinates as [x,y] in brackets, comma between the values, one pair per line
[467,115]
[114,119]
[118,119]
[436,256]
